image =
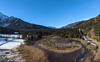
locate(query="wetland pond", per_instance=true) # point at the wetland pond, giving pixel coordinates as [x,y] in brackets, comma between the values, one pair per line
[74,56]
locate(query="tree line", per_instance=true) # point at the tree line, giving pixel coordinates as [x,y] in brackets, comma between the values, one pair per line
[65,33]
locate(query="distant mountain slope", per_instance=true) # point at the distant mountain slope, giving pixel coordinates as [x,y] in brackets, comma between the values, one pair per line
[51,27]
[86,25]
[20,24]
[17,24]
[71,25]
[6,31]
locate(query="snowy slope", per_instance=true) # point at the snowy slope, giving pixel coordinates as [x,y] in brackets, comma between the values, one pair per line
[6,25]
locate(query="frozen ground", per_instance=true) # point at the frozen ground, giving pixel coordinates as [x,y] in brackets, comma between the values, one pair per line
[8,49]
[11,43]
[2,40]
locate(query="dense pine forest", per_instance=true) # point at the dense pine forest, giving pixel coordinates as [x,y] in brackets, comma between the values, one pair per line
[64,33]
[4,30]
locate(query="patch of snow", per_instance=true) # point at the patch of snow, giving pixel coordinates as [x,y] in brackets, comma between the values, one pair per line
[11,44]
[93,43]
[11,35]
[88,41]
[3,18]
[2,40]
[4,53]
[6,25]
[11,18]
[8,49]
[12,56]
[1,14]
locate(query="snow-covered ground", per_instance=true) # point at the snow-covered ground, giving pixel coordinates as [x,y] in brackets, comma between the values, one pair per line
[2,40]
[11,35]
[8,48]
[11,43]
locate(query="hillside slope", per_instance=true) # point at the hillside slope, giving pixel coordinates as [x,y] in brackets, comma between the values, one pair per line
[71,25]
[91,27]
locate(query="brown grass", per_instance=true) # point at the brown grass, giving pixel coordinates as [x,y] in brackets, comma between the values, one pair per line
[32,54]
[97,55]
[87,59]
[61,51]
[92,58]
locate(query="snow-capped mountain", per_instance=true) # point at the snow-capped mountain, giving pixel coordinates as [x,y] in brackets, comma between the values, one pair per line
[17,23]
[3,18]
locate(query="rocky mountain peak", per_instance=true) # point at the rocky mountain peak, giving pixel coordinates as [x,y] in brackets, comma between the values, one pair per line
[3,18]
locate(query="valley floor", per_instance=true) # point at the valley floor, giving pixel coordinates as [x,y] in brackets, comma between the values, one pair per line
[14,50]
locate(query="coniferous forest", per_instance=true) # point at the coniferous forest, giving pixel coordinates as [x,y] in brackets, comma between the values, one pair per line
[64,33]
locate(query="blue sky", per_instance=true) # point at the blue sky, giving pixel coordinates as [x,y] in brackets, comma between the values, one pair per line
[51,12]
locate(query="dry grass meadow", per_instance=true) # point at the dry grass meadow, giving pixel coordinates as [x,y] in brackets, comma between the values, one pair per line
[32,54]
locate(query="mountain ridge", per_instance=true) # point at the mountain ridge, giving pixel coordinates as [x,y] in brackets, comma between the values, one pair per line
[17,23]
[91,27]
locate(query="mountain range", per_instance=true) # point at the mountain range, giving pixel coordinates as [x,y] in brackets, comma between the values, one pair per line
[51,27]
[91,26]
[17,23]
